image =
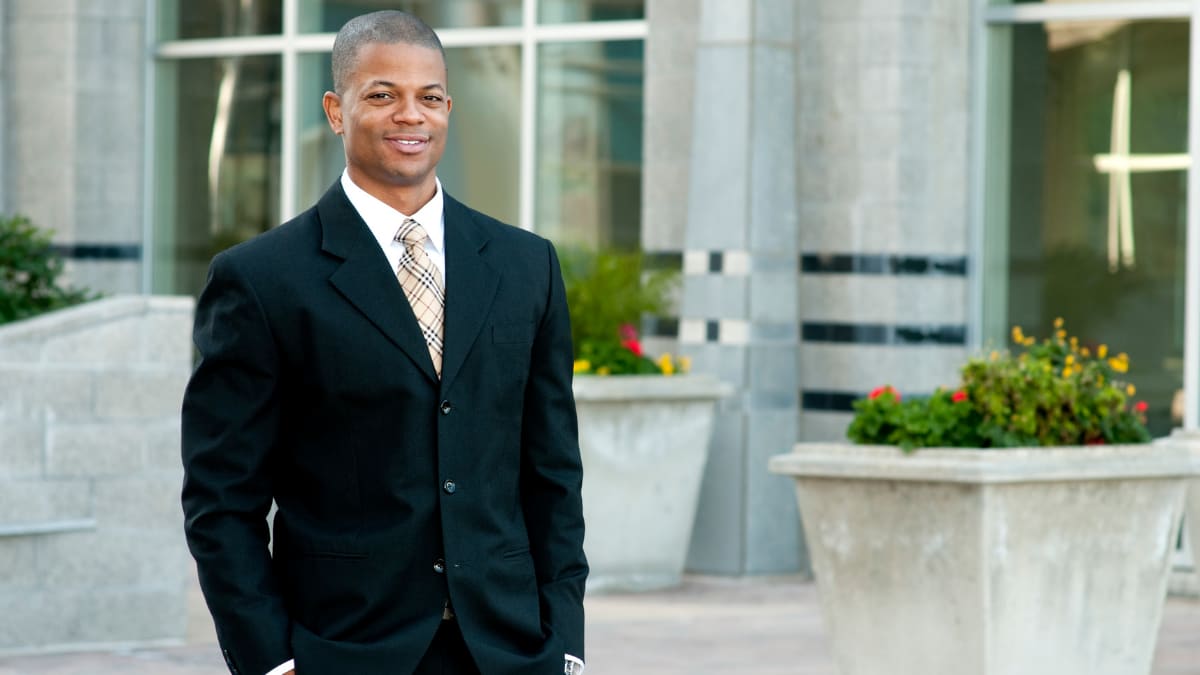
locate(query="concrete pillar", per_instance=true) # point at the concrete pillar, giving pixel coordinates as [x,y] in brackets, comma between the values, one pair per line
[738,312]
[74,100]
[882,133]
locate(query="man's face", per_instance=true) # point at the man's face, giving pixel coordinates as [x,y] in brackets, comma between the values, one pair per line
[393,116]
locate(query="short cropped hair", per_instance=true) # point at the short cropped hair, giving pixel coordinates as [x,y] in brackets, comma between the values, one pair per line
[385,27]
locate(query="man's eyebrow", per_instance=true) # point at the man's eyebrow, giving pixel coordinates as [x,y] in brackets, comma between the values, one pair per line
[392,85]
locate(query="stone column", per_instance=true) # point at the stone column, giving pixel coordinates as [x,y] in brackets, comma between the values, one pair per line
[738,311]
[74,97]
[882,120]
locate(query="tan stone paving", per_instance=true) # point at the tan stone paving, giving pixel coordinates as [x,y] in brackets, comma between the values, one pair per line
[709,626]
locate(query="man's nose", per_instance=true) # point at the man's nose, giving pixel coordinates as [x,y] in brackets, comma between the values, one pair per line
[408,111]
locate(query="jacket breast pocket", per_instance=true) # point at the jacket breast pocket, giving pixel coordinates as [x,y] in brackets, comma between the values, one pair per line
[512,333]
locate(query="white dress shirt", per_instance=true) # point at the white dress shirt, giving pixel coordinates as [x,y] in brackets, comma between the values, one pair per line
[384,222]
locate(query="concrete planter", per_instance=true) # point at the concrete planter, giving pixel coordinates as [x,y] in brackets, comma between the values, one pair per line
[644,441]
[1186,579]
[1046,561]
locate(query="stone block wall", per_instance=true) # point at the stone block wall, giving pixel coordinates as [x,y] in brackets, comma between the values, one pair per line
[91,531]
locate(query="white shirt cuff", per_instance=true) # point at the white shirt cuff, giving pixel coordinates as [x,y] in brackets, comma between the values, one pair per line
[283,667]
[573,659]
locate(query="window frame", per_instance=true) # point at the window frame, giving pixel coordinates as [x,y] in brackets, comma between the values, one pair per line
[291,44]
[988,150]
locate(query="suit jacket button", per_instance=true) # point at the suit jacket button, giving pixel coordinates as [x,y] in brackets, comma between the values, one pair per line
[449,487]
[446,407]
[439,566]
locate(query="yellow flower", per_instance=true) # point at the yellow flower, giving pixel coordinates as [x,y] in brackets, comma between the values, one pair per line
[1070,359]
[1018,336]
[685,364]
[1058,322]
[1085,352]
[666,365]
[1130,390]
[603,370]
[1060,334]
[1102,351]
[1029,341]
[582,365]
[1119,364]
[1074,343]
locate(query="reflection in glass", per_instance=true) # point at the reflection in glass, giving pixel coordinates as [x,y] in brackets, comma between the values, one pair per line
[1096,205]
[218,162]
[589,165]
[330,15]
[482,159]
[565,11]
[186,19]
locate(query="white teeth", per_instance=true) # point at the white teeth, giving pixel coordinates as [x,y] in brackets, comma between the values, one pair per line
[410,142]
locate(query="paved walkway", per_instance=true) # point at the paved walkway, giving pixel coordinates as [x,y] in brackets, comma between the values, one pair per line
[710,626]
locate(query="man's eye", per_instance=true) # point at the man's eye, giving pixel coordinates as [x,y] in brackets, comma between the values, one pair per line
[379,95]
[434,99]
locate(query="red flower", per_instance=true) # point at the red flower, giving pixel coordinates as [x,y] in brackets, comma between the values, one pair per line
[633,346]
[1094,441]
[959,396]
[628,333]
[1141,407]
[885,389]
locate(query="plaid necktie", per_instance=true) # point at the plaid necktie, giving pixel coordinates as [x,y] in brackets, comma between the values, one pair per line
[423,286]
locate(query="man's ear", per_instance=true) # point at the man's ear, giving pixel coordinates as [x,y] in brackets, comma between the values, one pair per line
[333,111]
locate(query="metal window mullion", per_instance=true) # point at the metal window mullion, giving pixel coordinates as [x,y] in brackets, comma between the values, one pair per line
[149,124]
[1043,12]
[288,174]
[1191,329]
[528,155]
[977,158]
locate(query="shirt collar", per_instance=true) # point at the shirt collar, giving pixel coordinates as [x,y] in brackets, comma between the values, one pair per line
[384,221]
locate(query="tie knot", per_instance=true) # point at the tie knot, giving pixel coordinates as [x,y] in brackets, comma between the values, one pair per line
[411,233]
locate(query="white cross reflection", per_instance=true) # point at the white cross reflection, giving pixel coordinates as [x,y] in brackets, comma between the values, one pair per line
[1119,164]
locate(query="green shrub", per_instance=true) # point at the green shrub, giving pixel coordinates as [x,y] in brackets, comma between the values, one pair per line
[1052,392]
[29,273]
[608,293]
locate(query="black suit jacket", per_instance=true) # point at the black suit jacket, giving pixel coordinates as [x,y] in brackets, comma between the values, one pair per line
[395,490]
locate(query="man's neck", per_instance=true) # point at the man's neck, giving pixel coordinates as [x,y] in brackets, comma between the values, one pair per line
[407,199]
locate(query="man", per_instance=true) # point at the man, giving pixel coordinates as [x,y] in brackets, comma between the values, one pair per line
[421,445]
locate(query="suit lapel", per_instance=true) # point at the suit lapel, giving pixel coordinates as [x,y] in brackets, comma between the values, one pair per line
[365,279]
[471,284]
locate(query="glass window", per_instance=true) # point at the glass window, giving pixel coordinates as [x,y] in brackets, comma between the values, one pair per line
[330,15]
[589,164]
[481,166]
[564,11]
[182,20]
[217,162]
[1090,205]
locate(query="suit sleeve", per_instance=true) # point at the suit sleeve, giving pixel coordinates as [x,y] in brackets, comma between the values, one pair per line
[552,474]
[230,426]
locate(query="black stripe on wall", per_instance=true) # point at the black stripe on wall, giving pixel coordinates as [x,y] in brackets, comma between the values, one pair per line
[817,263]
[662,260]
[660,326]
[99,251]
[882,334]
[828,401]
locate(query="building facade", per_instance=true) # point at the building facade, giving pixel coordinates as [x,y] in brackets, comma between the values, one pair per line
[856,192]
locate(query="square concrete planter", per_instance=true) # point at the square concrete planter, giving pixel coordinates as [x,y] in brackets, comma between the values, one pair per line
[644,441]
[1042,561]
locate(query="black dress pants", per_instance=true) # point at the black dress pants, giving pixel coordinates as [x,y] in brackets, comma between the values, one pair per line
[447,654]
